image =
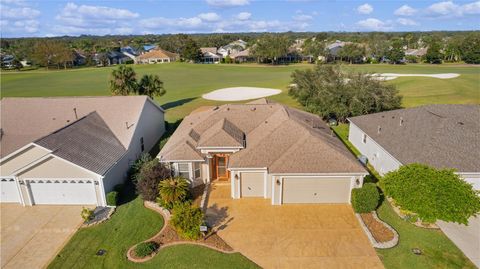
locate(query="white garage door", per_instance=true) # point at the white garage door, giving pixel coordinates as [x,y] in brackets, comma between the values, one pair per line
[316,190]
[253,184]
[63,192]
[9,191]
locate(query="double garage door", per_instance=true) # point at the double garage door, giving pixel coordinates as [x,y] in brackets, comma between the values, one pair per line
[9,191]
[315,190]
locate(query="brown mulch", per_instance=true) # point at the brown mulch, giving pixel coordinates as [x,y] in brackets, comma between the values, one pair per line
[378,230]
[197,193]
[169,235]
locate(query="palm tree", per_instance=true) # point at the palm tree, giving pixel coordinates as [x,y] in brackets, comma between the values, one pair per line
[173,190]
[151,85]
[123,81]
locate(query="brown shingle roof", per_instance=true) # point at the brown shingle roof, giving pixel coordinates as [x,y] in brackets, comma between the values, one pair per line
[158,54]
[209,49]
[443,136]
[87,142]
[24,120]
[283,139]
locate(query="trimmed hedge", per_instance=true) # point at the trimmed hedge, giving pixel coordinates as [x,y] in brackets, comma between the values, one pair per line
[145,248]
[112,198]
[187,220]
[366,198]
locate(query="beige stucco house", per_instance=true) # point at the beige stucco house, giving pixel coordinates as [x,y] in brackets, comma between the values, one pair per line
[72,150]
[264,149]
[157,56]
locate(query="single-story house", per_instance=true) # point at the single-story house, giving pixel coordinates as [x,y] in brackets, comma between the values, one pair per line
[264,149]
[442,136]
[149,47]
[242,56]
[72,150]
[232,47]
[416,52]
[210,56]
[157,56]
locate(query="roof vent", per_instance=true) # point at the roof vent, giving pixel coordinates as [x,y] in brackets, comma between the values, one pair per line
[1,133]
[460,123]
[253,109]
[215,108]
[379,129]
[75,112]
[228,109]
[401,121]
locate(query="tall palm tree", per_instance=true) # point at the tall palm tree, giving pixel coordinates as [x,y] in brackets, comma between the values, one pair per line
[151,85]
[123,81]
[173,190]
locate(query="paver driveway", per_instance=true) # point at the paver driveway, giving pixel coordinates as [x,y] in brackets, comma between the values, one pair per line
[31,236]
[291,236]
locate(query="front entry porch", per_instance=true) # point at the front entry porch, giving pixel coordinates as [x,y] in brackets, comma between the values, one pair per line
[218,168]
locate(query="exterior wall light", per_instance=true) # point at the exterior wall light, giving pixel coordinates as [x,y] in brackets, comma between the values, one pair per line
[278,182]
[357,181]
[236,177]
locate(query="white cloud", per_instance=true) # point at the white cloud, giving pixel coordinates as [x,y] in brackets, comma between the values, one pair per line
[227,3]
[365,9]
[161,23]
[303,17]
[406,22]
[450,9]
[243,16]
[405,10]
[210,17]
[18,12]
[18,17]
[471,9]
[373,24]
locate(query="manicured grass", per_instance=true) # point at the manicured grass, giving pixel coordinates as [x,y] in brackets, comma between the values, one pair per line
[185,83]
[131,224]
[438,250]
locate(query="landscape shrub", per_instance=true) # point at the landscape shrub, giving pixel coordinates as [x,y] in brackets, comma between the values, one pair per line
[171,191]
[112,198]
[145,248]
[119,188]
[148,178]
[431,193]
[186,219]
[366,198]
[86,214]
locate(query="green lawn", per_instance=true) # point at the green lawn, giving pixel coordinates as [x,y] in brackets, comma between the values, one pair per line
[185,83]
[438,250]
[131,224]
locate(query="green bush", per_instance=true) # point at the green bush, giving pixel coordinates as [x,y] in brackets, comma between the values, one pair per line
[119,188]
[112,198]
[87,214]
[366,198]
[432,194]
[145,248]
[187,220]
[172,191]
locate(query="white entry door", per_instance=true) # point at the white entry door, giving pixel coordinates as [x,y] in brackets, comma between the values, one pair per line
[62,192]
[9,191]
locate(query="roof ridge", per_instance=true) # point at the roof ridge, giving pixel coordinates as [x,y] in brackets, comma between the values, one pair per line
[70,124]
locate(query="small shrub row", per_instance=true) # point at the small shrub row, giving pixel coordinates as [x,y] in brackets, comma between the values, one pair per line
[145,248]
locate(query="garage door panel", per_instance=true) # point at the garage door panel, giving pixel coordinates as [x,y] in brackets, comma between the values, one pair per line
[9,191]
[253,184]
[316,190]
[47,192]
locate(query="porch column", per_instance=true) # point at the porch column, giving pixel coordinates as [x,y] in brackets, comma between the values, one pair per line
[209,158]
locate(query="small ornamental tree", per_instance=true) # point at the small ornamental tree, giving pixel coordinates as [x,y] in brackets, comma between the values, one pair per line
[148,178]
[432,194]
[172,190]
[366,198]
[187,220]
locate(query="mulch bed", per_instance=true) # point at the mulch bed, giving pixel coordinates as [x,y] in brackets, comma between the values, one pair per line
[169,235]
[197,193]
[378,230]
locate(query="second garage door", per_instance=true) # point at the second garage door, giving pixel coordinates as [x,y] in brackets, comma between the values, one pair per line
[316,190]
[253,184]
[63,192]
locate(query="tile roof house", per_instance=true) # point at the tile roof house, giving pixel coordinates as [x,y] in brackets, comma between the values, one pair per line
[442,136]
[157,56]
[210,55]
[264,149]
[72,150]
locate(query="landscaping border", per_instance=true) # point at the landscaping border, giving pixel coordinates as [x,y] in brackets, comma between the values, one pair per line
[417,223]
[375,243]
[111,210]
[166,216]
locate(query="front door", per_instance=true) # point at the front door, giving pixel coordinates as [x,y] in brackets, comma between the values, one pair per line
[220,166]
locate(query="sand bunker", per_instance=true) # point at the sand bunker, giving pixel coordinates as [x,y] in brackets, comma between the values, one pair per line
[240,93]
[390,76]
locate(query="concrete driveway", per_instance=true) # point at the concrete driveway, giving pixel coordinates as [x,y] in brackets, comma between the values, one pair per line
[467,238]
[31,236]
[291,236]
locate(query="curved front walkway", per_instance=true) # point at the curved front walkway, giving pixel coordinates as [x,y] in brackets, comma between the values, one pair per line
[291,236]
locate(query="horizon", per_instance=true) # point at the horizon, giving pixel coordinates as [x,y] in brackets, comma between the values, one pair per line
[33,19]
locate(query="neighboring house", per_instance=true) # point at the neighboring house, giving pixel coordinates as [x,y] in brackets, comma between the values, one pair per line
[8,61]
[416,52]
[72,150]
[129,52]
[332,50]
[442,136]
[264,149]
[79,58]
[116,57]
[242,56]
[148,48]
[157,56]
[233,47]
[210,56]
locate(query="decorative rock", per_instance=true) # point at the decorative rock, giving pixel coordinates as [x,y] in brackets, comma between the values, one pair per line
[100,214]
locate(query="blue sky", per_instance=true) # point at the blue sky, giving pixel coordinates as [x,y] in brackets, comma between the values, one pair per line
[20,18]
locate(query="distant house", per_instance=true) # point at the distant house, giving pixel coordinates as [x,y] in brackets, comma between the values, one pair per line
[242,56]
[416,52]
[157,56]
[8,61]
[210,56]
[148,48]
[333,49]
[79,58]
[110,58]
[233,47]
[129,52]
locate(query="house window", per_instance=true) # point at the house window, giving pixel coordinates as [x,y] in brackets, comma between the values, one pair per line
[196,169]
[364,139]
[141,144]
[184,170]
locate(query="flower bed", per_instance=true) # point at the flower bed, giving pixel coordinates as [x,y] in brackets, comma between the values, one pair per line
[380,234]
